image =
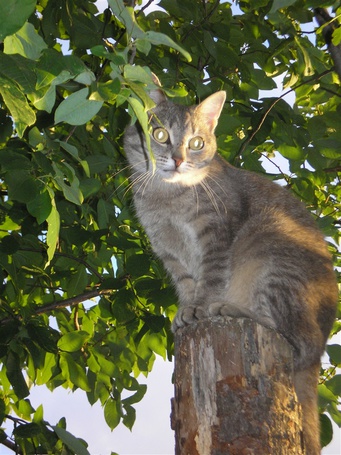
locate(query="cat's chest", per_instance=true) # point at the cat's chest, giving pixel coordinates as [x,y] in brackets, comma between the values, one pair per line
[172,229]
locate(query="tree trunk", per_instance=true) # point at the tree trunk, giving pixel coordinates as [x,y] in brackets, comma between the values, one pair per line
[234,391]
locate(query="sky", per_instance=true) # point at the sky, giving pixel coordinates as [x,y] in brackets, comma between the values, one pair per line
[151,434]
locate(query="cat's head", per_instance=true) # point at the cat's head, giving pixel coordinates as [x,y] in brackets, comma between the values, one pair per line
[182,140]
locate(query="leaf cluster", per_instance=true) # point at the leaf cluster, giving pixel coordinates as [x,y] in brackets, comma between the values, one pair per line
[84,303]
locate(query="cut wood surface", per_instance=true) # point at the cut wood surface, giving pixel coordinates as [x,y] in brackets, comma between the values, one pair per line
[234,391]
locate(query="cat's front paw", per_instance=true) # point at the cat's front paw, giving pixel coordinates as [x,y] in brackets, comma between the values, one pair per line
[226,309]
[188,315]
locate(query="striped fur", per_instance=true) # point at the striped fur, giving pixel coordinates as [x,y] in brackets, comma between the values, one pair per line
[233,242]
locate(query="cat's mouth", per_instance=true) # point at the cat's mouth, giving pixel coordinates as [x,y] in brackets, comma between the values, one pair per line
[182,176]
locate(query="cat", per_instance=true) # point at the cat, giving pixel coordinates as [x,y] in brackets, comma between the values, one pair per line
[234,243]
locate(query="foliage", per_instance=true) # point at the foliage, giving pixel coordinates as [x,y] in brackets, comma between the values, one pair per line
[84,304]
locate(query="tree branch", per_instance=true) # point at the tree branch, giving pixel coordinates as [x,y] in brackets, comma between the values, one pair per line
[328,26]
[332,169]
[72,301]
[69,256]
[12,446]
[144,7]
[272,105]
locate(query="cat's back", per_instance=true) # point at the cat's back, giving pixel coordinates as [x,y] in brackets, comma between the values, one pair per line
[256,194]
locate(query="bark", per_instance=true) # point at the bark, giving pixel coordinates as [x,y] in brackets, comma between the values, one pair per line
[234,391]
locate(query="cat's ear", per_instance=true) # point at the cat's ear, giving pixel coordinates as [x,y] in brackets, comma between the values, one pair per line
[157,94]
[210,109]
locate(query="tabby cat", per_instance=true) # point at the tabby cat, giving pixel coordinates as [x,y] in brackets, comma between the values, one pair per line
[234,243]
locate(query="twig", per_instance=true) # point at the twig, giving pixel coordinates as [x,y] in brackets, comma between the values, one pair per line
[328,26]
[70,133]
[12,446]
[72,301]
[332,169]
[144,7]
[272,105]
[279,169]
[69,256]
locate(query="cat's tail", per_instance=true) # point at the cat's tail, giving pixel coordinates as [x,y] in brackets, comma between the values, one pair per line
[306,389]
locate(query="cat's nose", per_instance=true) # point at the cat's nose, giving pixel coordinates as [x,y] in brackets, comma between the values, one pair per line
[177,161]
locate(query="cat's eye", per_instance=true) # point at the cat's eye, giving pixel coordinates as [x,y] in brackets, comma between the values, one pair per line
[196,143]
[161,135]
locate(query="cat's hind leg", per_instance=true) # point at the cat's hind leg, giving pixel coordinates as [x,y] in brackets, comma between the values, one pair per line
[238,299]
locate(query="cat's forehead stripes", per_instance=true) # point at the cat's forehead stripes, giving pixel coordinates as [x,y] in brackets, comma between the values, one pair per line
[170,117]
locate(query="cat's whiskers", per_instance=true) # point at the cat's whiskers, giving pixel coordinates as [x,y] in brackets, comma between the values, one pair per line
[144,180]
[213,196]
[216,181]
[140,179]
[149,176]
[131,178]
[129,167]
[196,196]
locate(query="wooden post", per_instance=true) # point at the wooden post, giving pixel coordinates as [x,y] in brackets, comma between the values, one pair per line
[234,391]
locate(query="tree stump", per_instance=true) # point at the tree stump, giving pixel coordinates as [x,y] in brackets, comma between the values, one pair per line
[234,392]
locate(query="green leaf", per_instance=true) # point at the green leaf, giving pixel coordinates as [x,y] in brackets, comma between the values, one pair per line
[156,343]
[44,337]
[292,153]
[336,39]
[142,117]
[39,414]
[143,45]
[54,68]
[40,207]
[15,100]
[73,443]
[19,70]
[308,66]
[279,4]
[52,237]
[9,244]
[112,413]
[107,366]
[108,90]
[104,213]
[25,42]
[14,14]
[136,397]
[77,109]
[155,323]
[27,430]
[73,341]
[129,416]
[137,73]
[126,16]
[15,376]
[157,38]
[326,430]
[334,384]
[71,191]
[138,265]
[325,396]
[334,412]
[2,410]
[334,352]
[77,282]
[89,187]
[45,374]
[73,372]
[44,99]
[22,186]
